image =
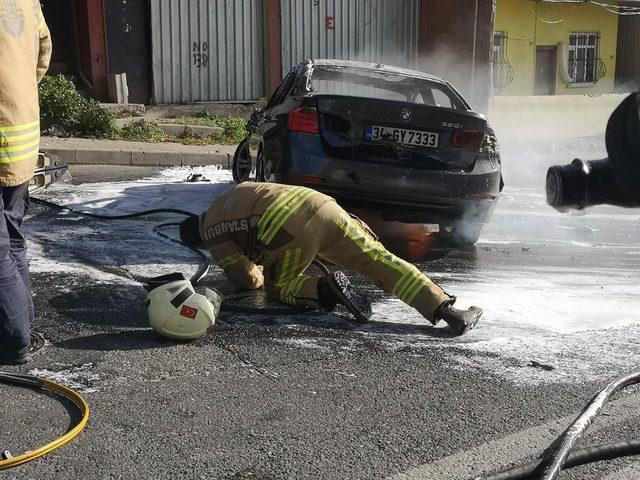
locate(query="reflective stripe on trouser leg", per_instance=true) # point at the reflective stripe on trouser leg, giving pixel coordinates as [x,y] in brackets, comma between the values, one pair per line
[284,278]
[358,251]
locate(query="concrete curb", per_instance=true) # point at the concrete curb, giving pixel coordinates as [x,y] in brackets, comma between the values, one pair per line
[138,158]
[149,155]
[79,151]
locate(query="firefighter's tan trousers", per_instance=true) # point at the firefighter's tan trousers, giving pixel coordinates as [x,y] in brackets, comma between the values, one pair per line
[333,235]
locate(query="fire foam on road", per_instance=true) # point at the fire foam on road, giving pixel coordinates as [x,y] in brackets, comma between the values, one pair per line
[559,291]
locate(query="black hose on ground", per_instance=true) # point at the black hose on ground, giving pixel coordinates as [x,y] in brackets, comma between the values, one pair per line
[205,263]
[560,456]
[144,213]
[583,456]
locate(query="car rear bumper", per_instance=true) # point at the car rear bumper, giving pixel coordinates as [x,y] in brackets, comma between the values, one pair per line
[436,210]
[397,192]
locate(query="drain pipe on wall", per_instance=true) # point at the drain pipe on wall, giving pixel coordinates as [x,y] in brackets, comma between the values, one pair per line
[473,56]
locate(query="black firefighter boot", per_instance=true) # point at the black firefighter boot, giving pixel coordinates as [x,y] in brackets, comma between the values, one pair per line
[335,288]
[460,321]
[15,358]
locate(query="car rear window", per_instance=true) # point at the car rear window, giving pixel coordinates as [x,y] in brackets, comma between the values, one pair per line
[386,86]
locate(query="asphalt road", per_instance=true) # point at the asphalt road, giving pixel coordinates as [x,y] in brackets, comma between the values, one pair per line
[315,396]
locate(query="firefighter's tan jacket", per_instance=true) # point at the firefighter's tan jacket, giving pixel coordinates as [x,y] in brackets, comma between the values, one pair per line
[25,51]
[251,218]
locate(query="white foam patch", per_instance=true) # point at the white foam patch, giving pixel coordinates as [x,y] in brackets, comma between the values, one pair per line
[78,245]
[168,189]
[76,377]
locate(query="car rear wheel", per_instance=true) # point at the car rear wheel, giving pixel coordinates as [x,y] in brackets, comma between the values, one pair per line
[242,168]
[462,234]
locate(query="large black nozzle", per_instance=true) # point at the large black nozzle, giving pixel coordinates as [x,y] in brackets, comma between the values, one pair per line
[614,181]
[582,184]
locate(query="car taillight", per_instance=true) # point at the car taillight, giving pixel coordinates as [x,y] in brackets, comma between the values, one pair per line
[468,140]
[304,120]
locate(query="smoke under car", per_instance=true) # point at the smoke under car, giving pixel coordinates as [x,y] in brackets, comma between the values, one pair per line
[401,143]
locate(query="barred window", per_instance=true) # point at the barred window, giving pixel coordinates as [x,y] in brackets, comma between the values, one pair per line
[585,65]
[502,69]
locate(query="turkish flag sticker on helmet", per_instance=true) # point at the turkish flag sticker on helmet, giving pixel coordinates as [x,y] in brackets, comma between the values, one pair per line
[189,312]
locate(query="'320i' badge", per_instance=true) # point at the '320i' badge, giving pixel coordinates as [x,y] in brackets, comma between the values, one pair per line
[406,114]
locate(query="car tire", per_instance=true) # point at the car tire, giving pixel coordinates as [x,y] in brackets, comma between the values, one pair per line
[242,167]
[463,234]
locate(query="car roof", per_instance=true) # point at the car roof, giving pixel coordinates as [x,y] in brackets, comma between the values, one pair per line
[374,67]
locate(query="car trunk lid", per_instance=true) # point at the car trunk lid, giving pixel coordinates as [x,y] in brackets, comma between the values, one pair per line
[379,131]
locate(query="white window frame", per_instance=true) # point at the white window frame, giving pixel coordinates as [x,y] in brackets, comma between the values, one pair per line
[580,52]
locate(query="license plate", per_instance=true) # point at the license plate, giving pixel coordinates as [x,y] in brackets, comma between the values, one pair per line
[402,135]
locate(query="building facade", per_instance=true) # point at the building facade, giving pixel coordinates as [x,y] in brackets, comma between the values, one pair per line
[553,48]
[182,51]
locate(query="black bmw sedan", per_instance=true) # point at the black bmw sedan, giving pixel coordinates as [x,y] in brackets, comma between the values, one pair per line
[401,143]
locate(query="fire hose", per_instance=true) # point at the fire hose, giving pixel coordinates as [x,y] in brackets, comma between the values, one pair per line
[560,454]
[42,384]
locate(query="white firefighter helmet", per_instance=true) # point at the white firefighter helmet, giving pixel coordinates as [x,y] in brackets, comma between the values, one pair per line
[179,311]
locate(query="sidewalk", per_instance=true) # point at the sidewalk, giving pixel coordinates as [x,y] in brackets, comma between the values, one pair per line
[119,152]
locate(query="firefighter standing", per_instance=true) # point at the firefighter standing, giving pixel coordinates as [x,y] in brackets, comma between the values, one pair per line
[283,228]
[25,50]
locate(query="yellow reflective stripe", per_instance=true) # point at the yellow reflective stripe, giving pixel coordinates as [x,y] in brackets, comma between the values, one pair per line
[19,147]
[16,136]
[287,281]
[376,254]
[231,259]
[16,128]
[284,274]
[263,223]
[286,213]
[412,273]
[272,209]
[401,284]
[423,283]
[300,282]
[289,286]
[18,158]
[402,295]
[285,267]
[412,280]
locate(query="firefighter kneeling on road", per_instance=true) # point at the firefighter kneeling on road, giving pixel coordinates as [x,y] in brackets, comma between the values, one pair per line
[283,228]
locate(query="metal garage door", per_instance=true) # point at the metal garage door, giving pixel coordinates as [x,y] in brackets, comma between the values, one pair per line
[207,50]
[382,31]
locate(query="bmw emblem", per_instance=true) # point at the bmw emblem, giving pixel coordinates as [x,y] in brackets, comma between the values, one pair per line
[406,114]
